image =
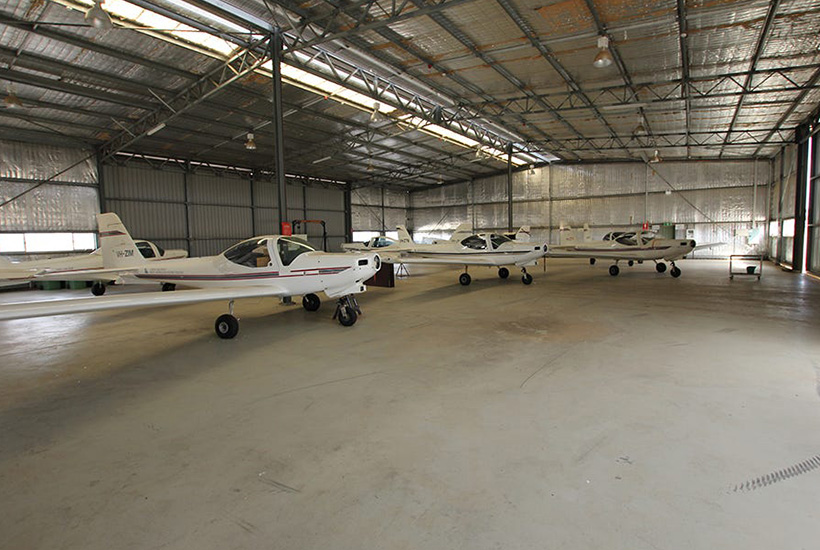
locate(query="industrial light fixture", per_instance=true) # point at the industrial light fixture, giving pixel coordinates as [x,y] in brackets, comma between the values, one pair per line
[604,57]
[656,158]
[97,17]
[250,144]
[640,129]
[11,101]
[374,116]
[155,129]
[323,159]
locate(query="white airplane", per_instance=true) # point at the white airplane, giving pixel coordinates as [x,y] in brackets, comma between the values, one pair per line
[629,246]
[488,249]
[271,265]
[63,268]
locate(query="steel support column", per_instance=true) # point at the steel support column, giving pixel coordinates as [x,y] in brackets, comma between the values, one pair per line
[802,168]
[509,188]
[275,45]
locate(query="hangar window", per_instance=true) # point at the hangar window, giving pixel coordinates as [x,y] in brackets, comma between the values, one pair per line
[22,243]
[290,248]
[475,242]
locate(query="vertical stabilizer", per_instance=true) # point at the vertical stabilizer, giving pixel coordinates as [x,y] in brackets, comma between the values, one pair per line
[462,232]
[404,236]
[118,248]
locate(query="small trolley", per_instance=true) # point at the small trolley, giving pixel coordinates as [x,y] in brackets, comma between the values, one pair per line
[752,265]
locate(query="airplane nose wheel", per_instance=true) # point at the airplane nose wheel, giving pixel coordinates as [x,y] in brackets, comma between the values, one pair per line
[347,311]
[592,261]
[526,278]
[614,270]
[675,271]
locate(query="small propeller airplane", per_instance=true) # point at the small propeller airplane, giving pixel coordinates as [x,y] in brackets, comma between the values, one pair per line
[466,248]
[62,269]
[629,246]
[271,265]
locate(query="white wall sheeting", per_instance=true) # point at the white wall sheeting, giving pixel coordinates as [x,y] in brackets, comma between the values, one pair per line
[68,202]
[378,209]
[713,198]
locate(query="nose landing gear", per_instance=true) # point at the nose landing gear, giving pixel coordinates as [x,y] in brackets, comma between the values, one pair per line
[526,278]
[347,311]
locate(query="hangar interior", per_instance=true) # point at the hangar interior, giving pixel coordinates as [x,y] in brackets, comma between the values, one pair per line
[585,410]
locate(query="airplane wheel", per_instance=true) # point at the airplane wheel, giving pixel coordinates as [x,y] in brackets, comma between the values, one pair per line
[98,289]
[526,278]
[592,261]
[630,263]
[503,272]
[465,279]
[347,316]
[675,272]
[614,270]
[660,267]
[311,302]
[226,326]
[167,287]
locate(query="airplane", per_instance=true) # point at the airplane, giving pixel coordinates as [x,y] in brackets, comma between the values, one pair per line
[489,249]
[270,265]
[62,268]
[629,246]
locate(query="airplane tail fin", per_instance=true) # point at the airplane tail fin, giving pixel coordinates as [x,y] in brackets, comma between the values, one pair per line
[404,236]
[523,234]
[118,248]
[462,232]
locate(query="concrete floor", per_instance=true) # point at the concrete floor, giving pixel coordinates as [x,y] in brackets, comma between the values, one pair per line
[584,411]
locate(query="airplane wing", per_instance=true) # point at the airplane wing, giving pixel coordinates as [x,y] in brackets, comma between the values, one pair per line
[83,274]
[708,245]
[22,310]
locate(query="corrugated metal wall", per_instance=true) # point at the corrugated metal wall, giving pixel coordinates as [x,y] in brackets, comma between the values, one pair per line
[715,199]
[205,211]
[378,209]
[68,202]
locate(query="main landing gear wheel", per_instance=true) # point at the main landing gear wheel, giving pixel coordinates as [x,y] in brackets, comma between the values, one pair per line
[311,302]
[168,287]
[98,289]
[614,270]
[503,272]
[675,271]
[592,261]
[660,267]
[226,326]
[465,279]
[630,263]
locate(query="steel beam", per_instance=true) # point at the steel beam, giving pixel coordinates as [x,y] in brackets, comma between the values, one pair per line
[761,44]
[683,33]
[784,117]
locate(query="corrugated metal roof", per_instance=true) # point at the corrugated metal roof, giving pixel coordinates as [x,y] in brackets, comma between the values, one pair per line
[475,59]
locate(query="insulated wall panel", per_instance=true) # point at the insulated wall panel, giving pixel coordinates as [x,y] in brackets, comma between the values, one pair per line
[40,162]
[143,182]
[220,222]
[226,189]
[49,207]
[151,220]
[265,194]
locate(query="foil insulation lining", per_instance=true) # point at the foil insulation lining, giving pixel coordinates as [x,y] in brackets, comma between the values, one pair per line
[713,199]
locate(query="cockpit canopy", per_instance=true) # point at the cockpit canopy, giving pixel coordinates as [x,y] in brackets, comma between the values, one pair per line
[479,242]
[380,242]
[257,252]
[628,238]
